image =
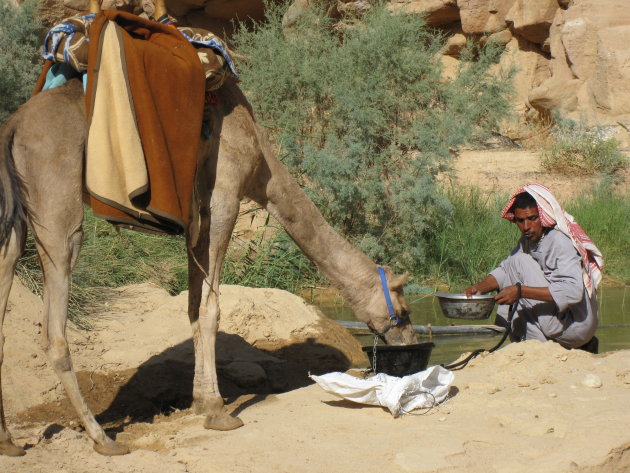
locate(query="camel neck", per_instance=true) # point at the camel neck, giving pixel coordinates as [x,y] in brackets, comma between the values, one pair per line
[345,267]
[348,269]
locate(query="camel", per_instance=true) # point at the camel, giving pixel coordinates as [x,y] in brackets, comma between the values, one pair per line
[42,190]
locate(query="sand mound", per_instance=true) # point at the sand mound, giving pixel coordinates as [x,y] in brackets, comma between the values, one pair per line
[527,407]
[266,331]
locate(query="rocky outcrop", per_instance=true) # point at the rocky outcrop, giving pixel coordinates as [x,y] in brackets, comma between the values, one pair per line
[437,12]
[532,20]
[483,16]
[590,62]
[571,55]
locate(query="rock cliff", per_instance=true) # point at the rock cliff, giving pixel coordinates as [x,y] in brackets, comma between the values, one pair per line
[571,55]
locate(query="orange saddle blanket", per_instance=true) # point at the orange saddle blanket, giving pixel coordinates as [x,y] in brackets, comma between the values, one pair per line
[144,101]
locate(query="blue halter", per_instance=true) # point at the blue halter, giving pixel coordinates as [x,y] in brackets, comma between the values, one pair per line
[390,307]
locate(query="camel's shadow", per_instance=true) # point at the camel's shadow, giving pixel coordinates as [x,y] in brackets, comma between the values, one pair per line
[163,384]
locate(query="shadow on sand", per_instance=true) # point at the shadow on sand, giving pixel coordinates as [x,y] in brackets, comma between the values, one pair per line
[163,384]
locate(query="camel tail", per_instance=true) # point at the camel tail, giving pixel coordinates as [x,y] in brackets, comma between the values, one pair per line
[12,208]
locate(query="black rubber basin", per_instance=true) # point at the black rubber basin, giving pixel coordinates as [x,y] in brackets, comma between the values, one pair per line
[400,360]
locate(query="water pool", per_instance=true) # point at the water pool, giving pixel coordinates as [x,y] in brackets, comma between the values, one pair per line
[613,332]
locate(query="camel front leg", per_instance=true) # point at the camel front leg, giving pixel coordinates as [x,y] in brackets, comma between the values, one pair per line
[9,256]
[205,265]
[57,256]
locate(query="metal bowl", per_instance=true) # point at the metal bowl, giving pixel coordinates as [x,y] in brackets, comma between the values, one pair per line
[458,306]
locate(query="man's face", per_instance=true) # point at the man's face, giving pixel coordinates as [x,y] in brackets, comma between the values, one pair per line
[529,224]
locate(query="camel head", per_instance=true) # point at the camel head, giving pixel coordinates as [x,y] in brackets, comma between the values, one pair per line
[376,313]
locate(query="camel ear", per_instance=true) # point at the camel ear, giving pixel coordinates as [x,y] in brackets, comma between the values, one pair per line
[398,282]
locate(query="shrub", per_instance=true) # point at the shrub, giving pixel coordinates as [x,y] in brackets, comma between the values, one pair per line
[604,215]
[113,258]
[574,149]
[265,261]
[473,241]
[364,118]
[109,259]
[19,41]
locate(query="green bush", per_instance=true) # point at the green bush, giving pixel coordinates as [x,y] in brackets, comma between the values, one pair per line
[604,215]
[365,119]
[574,149]
[19,42]
[473,241]
[475,238]
[113,258]
[269,262]
[110,259]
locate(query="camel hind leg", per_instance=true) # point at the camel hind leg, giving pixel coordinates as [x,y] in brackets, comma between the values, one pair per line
[50,164]
[58,242]
[9,256]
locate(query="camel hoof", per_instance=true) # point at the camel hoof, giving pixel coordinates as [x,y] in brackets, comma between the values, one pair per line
[111,449]
[7,448]
[222,421]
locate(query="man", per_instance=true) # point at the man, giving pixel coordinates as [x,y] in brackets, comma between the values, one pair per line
[558,268]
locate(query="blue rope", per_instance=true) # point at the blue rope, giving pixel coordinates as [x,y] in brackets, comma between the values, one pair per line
[388,300]
[58,32]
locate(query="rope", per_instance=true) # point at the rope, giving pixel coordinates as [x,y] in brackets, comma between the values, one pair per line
[434,403]
[388,300]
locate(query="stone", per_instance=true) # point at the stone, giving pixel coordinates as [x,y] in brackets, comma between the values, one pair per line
[454,45]
[590,60]
[592,381]
[502,37]
[555,94]
[483,16]
[80,5]
[532,20]
[437,12]
[532,69]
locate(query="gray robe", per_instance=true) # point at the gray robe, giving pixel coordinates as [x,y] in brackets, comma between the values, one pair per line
[571,319]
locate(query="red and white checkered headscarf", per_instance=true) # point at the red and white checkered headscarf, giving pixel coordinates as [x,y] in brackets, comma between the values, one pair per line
[552,214]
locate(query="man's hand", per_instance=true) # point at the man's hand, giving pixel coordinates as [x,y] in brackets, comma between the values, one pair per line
[472,290]
[487,285]
[507,296]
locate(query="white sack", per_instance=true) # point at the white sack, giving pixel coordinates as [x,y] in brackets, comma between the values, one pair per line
[399,395]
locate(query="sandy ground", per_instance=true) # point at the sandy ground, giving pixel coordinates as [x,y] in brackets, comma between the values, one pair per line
[504,171]
[528,407]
